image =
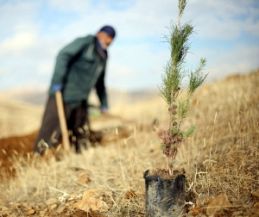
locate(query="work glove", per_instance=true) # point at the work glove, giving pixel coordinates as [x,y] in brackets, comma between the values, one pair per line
[56,87]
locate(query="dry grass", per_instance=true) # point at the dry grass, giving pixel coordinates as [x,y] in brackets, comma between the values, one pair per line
[221,157]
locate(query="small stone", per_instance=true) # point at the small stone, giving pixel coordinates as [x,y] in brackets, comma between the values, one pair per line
[92,200]
[84,178]
[30,211]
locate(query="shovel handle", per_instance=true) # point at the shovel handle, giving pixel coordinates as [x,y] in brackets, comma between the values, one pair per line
[62,120]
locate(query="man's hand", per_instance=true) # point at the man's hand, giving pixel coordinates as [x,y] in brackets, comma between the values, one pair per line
[56,87]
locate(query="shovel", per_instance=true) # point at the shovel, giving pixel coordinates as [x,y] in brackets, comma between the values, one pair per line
[62,121]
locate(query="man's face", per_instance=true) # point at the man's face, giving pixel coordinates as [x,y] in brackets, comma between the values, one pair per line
[104,39]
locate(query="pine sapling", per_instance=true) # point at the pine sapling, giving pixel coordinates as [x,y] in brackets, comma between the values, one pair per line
[178,104]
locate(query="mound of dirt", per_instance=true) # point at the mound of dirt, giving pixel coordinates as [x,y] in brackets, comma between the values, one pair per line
[12,147]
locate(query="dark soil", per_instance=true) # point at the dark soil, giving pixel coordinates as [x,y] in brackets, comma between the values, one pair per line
[12,147]
[164,174]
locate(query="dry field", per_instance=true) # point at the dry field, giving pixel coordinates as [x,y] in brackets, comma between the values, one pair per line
[221,160]
[17,118]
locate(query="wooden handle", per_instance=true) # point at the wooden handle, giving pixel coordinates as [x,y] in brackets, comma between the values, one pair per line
[62,120]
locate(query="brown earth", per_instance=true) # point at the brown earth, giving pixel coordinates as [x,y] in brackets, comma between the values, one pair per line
[14,147]
[11,148]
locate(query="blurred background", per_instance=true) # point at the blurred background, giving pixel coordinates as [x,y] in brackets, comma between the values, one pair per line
[32,33]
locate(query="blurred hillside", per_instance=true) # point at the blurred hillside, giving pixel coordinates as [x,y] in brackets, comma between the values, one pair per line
[21,109]
[37,96]
[18,118]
